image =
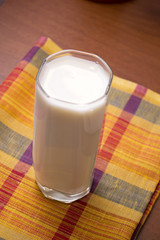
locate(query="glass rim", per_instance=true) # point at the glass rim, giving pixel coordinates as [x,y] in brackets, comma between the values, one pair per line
[82,53]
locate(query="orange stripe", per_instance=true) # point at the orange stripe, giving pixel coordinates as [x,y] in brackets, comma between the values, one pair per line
[5,167]
[136,135]
[42,212]
[144,157]
[37,199]
[135,168]
[26,225]
[29,74]
[16,114]
[131,124]
[108,231]
[30,87]
[105,213]
[12,77]
[17,104]
[110,224]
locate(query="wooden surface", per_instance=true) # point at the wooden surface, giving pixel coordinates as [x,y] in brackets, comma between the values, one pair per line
[125,35]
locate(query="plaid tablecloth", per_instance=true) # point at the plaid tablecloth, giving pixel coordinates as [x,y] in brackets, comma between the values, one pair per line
[126,174]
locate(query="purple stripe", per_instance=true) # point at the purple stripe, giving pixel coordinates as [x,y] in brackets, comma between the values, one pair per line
[97,177]
[133,104]
[27,156]
[31,53]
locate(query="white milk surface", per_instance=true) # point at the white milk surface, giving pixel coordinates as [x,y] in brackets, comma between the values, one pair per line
[67,123]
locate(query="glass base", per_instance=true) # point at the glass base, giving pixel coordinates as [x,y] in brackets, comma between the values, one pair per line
[62,197]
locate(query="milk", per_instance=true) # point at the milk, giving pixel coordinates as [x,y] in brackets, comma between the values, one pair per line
[70,102]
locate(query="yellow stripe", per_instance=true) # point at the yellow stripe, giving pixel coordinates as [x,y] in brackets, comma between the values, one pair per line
[50,47]
[30,173]
[11,234]
[33,195]
[146,125]
[4,172]
[15,125]
[135,159]
[24,101]
[31,218]
[132,132]
[32,210]
[17,87]
[131,177]
[105,220]
[8,160]
[31,69]
[27,80]
[139,153]
[110,120]
[98,223]
[115,111]
[20,108]
[152,97]
[123,85]
[91,232]
[135,167]
[145,152]
[17,115]
[138,130]
[143,137]
[23,225]
[129,87]
[115,208]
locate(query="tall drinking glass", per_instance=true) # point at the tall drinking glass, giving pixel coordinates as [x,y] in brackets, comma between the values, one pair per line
[70,99]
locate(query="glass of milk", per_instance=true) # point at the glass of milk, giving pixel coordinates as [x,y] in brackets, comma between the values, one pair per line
[70,100]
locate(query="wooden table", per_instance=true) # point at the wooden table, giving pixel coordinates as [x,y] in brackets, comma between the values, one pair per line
[126,35]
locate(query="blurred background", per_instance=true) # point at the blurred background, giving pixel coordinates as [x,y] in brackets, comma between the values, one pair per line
[126,34]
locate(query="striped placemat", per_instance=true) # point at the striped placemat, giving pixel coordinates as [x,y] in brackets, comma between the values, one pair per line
[126,174]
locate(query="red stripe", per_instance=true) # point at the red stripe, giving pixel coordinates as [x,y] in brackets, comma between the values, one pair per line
[59,236]
[12,77]
[41,41]
[11,183]
[70,220]
[114,138]
[6,192]
[131,124]
[142,138]
[30,226]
